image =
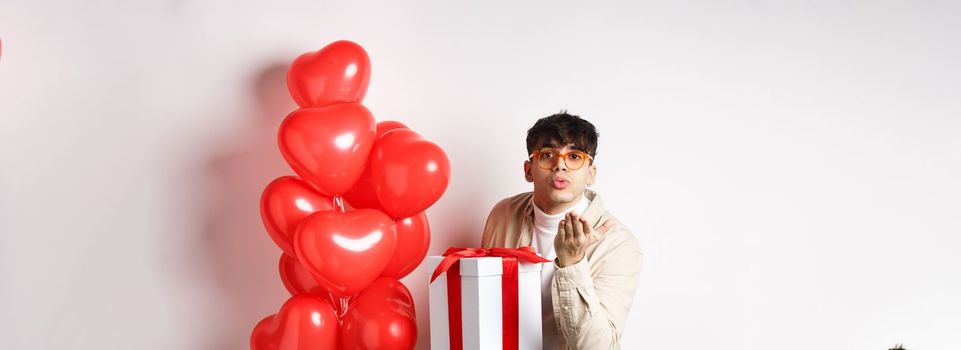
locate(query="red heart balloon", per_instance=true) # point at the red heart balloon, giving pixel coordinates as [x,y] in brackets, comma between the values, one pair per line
[339,72]
[409,173]
[284,203]
[362,194]
[328,146]
[380,317]
[304,322]
[345,251]
[413,240]
[296,278]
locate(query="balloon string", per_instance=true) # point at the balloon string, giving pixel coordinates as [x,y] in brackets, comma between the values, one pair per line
[343,306]
[339,203]
[333,302]
[340,305]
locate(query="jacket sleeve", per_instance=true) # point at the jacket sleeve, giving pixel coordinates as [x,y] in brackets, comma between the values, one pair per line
[593,310]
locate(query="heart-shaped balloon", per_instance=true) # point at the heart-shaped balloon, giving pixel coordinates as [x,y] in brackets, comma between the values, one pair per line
[284,203]
[362,194]
[409,173]
[413,240]
[345,251]
[380,317]
[296,278]
[305,321]
[339,72]
[328,146]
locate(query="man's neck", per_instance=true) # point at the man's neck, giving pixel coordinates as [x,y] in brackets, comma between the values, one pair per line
[553,208]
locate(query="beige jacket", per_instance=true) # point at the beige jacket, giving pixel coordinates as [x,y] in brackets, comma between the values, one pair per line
[591,298]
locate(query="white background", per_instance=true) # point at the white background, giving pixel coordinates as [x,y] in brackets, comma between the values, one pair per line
[789,168]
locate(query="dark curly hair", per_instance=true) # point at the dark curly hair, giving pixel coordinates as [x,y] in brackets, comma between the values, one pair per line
[561,129]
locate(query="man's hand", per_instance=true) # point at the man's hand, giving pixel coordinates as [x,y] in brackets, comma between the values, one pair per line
[574,235]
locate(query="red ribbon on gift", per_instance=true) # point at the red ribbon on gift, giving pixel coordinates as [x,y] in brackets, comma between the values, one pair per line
[509,258]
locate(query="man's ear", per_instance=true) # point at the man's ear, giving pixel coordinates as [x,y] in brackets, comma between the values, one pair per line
[527,171]
[592,175]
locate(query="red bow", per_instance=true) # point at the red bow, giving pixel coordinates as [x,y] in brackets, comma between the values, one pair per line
[452,255]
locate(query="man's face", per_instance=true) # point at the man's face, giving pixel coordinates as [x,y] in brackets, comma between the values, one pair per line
[559,185]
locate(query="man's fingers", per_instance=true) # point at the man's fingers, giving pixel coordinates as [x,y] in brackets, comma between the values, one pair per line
[578,227]
[585,226]
[569,226]
[575,227]
[591,234]
[561,232]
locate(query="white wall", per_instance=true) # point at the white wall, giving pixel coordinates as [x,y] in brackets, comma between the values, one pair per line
[790,168]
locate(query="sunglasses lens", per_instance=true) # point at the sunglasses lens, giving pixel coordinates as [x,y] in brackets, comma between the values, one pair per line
[548,159]
[574,160]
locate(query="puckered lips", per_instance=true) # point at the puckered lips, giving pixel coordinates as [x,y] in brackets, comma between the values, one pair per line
[560,182]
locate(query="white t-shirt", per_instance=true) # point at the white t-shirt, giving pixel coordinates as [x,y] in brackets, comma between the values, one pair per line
[545,229]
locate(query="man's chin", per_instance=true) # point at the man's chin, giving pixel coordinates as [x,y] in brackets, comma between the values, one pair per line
[556,195]
[561,196]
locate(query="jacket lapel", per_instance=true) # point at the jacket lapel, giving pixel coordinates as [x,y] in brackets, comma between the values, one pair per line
[526,231]
[595,210]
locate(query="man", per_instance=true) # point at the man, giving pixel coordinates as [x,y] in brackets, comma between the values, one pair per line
[588,290]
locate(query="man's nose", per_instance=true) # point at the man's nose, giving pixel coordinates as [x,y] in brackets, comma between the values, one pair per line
[560,164]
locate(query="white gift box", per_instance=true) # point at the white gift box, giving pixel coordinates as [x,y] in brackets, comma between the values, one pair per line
[482,318]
